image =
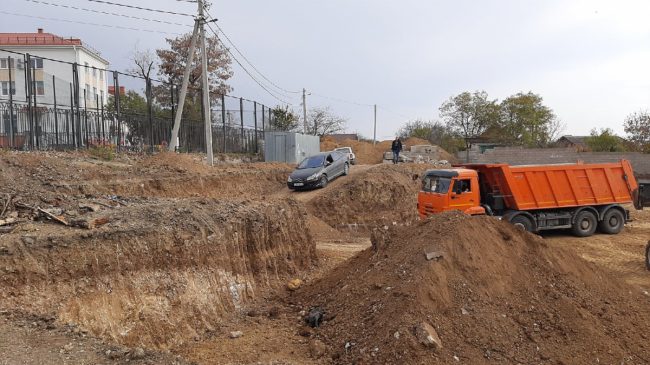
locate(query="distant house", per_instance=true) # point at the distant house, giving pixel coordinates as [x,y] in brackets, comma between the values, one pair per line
[339,138]
[577,142]
[44,48]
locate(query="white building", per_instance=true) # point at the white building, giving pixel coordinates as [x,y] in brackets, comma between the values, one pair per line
[45,50]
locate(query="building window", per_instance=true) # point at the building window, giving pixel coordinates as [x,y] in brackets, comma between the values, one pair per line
[101,74]
[87,92]
[101,93]
[40,88]
[37,63]
[5,88]
[94,71]
[4,62]
[94,92]
[86,64]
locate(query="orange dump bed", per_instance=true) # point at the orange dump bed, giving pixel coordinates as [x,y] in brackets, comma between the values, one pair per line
[557,186]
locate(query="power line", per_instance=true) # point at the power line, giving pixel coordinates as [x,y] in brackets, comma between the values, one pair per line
[141,8]
[342,100]
[249,62]
[86,23]
[106,12]
[248,72]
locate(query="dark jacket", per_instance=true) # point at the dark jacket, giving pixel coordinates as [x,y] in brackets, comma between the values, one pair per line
[397,145]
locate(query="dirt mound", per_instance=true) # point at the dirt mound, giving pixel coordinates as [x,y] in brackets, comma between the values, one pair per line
[370,154]
[490,293]
[160,272]
[382,195]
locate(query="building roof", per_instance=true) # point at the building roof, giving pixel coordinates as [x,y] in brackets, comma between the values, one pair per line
[576,140]
[43,39]
[40,38]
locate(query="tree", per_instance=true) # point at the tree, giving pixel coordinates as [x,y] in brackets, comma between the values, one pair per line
[172,65]
[526,121]
[637,127]
[433,131]
[469,114]
[284,119]
[144,61]
[322,122]
[604,141]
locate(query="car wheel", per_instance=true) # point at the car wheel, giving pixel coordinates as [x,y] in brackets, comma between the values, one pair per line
[612,222]
[585,224]
[522,222]
[346,169]
[323,181]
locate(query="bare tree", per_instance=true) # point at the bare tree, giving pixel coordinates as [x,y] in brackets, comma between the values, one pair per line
[322,122]
[144,61]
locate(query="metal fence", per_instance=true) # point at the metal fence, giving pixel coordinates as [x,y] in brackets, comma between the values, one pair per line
[53,104]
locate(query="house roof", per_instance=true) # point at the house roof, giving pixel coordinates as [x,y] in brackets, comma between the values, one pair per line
[40,38]
[43,39]
[577,140]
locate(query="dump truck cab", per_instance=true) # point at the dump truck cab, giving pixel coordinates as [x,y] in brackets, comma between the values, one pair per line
[450,189]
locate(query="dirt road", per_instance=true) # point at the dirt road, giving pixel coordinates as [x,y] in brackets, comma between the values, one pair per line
[309,195]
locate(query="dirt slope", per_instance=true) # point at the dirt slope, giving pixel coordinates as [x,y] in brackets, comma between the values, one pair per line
[161,272]
[378,196]
[496,294]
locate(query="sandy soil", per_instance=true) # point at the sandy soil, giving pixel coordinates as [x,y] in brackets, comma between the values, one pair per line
[272,322]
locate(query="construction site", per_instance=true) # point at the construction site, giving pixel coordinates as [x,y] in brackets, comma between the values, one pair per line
[162,259]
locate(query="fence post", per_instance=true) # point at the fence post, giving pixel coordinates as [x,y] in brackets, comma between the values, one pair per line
[149,112]
[169,132]
[103,121]
[86,116]
[37,127]
[255,119]
[99,128]
[56,115]
[263,121]
[28,96]
[223,120]
[11,107]
[270,119]
[72,121]
[116,98]
[241,117]
[77,95]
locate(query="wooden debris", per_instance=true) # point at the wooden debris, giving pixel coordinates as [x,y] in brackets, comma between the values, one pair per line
[89,207]
[90,223]
[51,216]
[7,221]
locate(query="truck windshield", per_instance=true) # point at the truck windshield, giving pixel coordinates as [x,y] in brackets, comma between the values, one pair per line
[436,184]
[311,162]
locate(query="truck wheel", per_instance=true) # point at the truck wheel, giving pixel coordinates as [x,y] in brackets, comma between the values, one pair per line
[585,224]
[522,222]
[612,222]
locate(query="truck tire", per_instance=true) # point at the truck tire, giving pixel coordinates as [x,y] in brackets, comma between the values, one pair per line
[522,222]
[585,224]
[612,222]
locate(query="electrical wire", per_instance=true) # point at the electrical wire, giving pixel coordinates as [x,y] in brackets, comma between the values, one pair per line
[141,8]
[106,13]
[249,62]
[341,100]
[87,23]
[248,72]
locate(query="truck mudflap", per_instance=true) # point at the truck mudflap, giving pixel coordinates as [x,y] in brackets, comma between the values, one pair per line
[641,195]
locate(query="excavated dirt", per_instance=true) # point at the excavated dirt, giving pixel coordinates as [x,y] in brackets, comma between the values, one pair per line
[382,195]
[495,294]
[160,273]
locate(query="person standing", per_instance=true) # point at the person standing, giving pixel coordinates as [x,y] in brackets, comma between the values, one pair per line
[396,148]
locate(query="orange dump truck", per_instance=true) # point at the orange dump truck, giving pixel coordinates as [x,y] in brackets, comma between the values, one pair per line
[580,197]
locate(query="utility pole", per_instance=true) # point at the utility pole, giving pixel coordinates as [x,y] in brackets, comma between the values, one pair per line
[304,110]
[173,143]
[206,91]
[374,134]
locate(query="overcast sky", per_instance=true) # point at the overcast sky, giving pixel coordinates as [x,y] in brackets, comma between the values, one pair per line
[588,59]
